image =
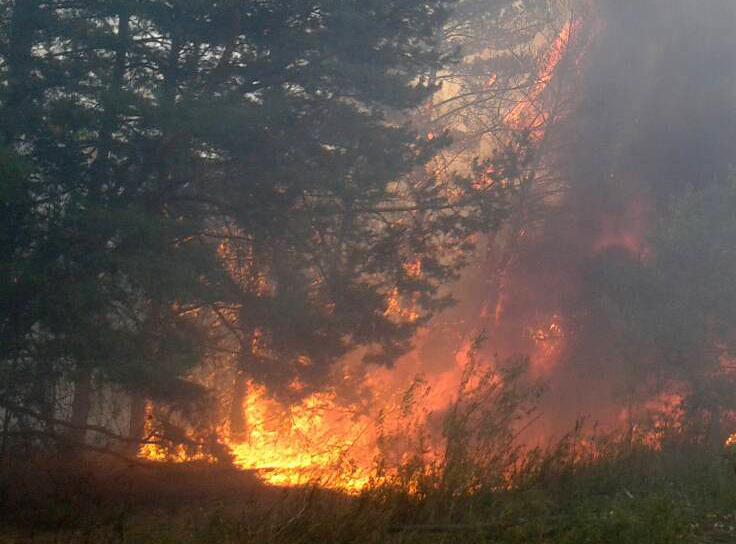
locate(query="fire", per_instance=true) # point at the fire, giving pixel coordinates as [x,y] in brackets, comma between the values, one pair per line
[549,344]
[413,269]
[656,419]
[528,113]
[331,442]
[315,441]
[152,450]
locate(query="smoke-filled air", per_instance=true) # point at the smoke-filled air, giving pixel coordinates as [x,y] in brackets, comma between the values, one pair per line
[368,271]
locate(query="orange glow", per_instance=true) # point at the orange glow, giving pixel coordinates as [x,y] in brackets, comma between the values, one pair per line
[529,113]
[627,231]
[330,442]
[549,344]
[651,423]
[314,441]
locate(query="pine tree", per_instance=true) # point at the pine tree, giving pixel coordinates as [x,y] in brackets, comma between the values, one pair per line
[233,166]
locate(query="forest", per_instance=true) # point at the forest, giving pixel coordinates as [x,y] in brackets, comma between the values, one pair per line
[376,271]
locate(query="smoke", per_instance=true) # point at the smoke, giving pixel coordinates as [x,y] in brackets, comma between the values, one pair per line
[645,96]
[639,112]
[654,117]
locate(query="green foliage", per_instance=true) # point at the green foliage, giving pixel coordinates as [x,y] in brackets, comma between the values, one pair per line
[202,178]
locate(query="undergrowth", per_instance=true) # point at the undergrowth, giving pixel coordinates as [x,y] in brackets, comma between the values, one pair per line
[486,488]
[683,493]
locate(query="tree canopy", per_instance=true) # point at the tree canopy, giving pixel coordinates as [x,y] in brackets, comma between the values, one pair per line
[184,179]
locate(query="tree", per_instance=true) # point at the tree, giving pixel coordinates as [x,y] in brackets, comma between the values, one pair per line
[235,169]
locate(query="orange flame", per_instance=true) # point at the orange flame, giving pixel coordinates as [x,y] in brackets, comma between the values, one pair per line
[529,113]
[312,442]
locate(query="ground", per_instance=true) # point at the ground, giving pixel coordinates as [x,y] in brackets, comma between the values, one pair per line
[680,494]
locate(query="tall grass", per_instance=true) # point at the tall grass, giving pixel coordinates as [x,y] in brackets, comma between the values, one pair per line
[466,479]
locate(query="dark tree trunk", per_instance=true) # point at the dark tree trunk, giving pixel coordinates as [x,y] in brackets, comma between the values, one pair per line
[81,407]
[137,424]
[238,424]
[716,437]
[48,405]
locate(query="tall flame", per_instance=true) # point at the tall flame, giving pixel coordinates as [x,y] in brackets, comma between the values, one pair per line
[529,113]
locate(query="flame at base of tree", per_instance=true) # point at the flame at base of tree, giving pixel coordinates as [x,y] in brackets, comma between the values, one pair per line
[325,441]
[312,442]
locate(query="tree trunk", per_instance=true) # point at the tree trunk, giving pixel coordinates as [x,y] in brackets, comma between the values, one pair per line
[81,407]
[716,438]
[48,402]
[238,424]
[137,426]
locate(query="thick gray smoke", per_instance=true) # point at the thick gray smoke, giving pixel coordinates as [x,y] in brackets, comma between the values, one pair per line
[655,119]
